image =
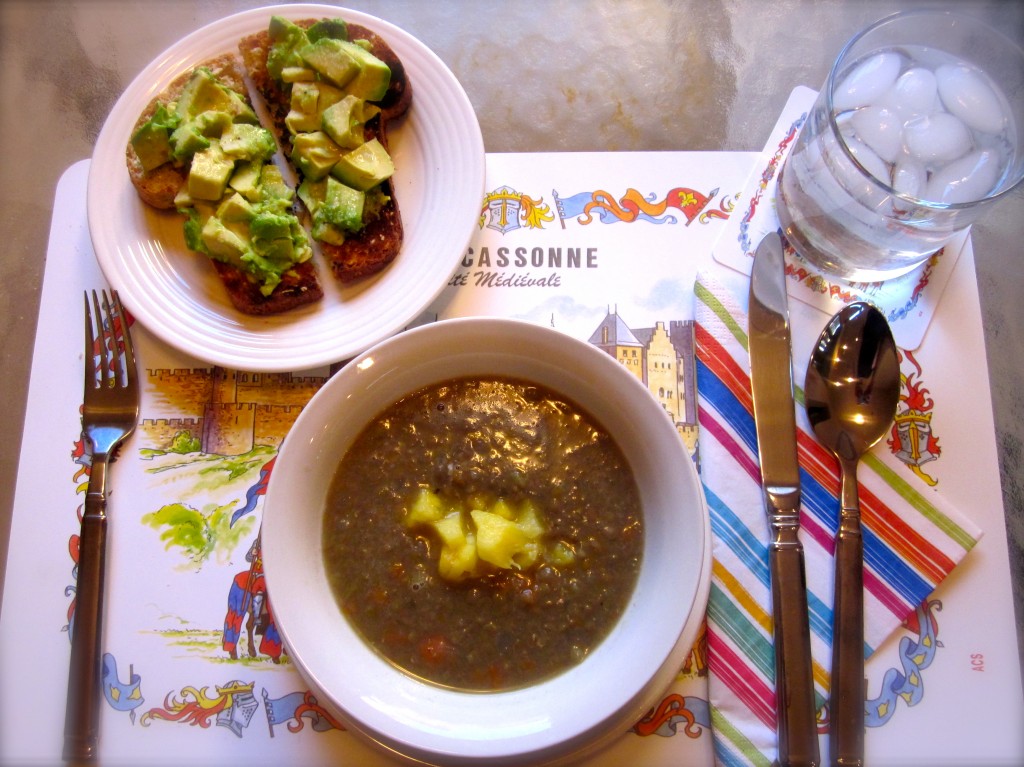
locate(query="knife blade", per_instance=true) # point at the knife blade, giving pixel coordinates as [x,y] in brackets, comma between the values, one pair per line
[771,380]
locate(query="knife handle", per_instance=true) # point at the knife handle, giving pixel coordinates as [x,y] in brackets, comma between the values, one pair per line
[846,707]
[794,682]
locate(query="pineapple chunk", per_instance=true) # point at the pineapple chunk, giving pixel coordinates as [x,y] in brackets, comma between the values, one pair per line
[527,556]
[461,562]
[451,531]
[426,507]
[498,540]
[502,508]
[528,520]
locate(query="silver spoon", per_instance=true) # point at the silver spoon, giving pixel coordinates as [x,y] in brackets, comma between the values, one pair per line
[851,392]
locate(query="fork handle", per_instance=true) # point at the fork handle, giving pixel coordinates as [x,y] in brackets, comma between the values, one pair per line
[81,721]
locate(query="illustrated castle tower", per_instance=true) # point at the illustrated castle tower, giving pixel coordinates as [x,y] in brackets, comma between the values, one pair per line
[661,358]
[229,427]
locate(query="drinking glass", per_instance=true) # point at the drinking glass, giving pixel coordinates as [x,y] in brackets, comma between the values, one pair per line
[915,134]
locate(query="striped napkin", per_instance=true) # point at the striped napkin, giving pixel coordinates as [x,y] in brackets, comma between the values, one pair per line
[910,545]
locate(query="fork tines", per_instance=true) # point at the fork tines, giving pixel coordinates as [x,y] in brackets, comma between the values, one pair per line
[106,335]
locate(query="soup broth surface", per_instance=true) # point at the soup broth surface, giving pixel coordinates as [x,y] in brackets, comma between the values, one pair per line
[458,456]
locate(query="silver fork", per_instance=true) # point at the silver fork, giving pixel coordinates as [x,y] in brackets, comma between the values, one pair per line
[110,411]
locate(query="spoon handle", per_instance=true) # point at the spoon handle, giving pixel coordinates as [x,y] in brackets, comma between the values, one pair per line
[848,688]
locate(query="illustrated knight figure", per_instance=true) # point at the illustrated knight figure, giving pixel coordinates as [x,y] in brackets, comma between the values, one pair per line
[248,605]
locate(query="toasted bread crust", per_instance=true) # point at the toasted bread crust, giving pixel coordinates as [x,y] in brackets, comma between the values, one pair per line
[380,241]
[158,188]
[299,286]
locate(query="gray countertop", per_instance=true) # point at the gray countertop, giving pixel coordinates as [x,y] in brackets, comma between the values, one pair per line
[553,76]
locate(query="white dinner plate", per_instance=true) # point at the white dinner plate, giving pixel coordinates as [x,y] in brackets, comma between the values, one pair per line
[439,184]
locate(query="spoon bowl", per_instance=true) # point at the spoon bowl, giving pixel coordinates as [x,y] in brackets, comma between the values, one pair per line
[851,393]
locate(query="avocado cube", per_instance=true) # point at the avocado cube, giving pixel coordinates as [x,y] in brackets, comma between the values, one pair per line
[235,208]
[330,60]
[221,242]
[313,193]
[248,142]
[281,29]
[209,174]
[272,185]
[325,231]
[374,77]
[342,206]
[272,241]
[297,74]
[344,121]
[246,178]
[186,141]
[270,226]
[365,166]
[204,93]
[314,154]
[286,37]
[194,231]
[152,145]
[336,28]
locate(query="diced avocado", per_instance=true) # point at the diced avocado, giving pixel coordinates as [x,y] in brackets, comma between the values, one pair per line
[376,200]
[303,116]
[364,167]
[314,154]
[221,242]
[336,28]
[193,135]
[344,122]
[194,231]
[186,141]
[281,28]
[342,206]
[182,199]
[312,193]
[152,141]
[308,101]
[248,142]
[246,178]
[272,185]
[332,60]
[325,231]
[285,37]
[374,75]
[204,93]
[209,174]
[270,226]
[297,74]
[235,208]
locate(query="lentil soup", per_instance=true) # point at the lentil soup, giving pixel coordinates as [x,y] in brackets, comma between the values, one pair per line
[483,534]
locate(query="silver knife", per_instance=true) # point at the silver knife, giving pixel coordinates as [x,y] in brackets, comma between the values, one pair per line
[771,379]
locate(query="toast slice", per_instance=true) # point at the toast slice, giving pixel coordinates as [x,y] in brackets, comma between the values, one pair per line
[378,243]
[162,181]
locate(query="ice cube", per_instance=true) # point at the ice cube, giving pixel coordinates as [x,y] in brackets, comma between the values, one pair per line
[966,94]
[913,94]
[881,129]
[909,177]
[867,158]
[936,138]
[867,82]
[969,178]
